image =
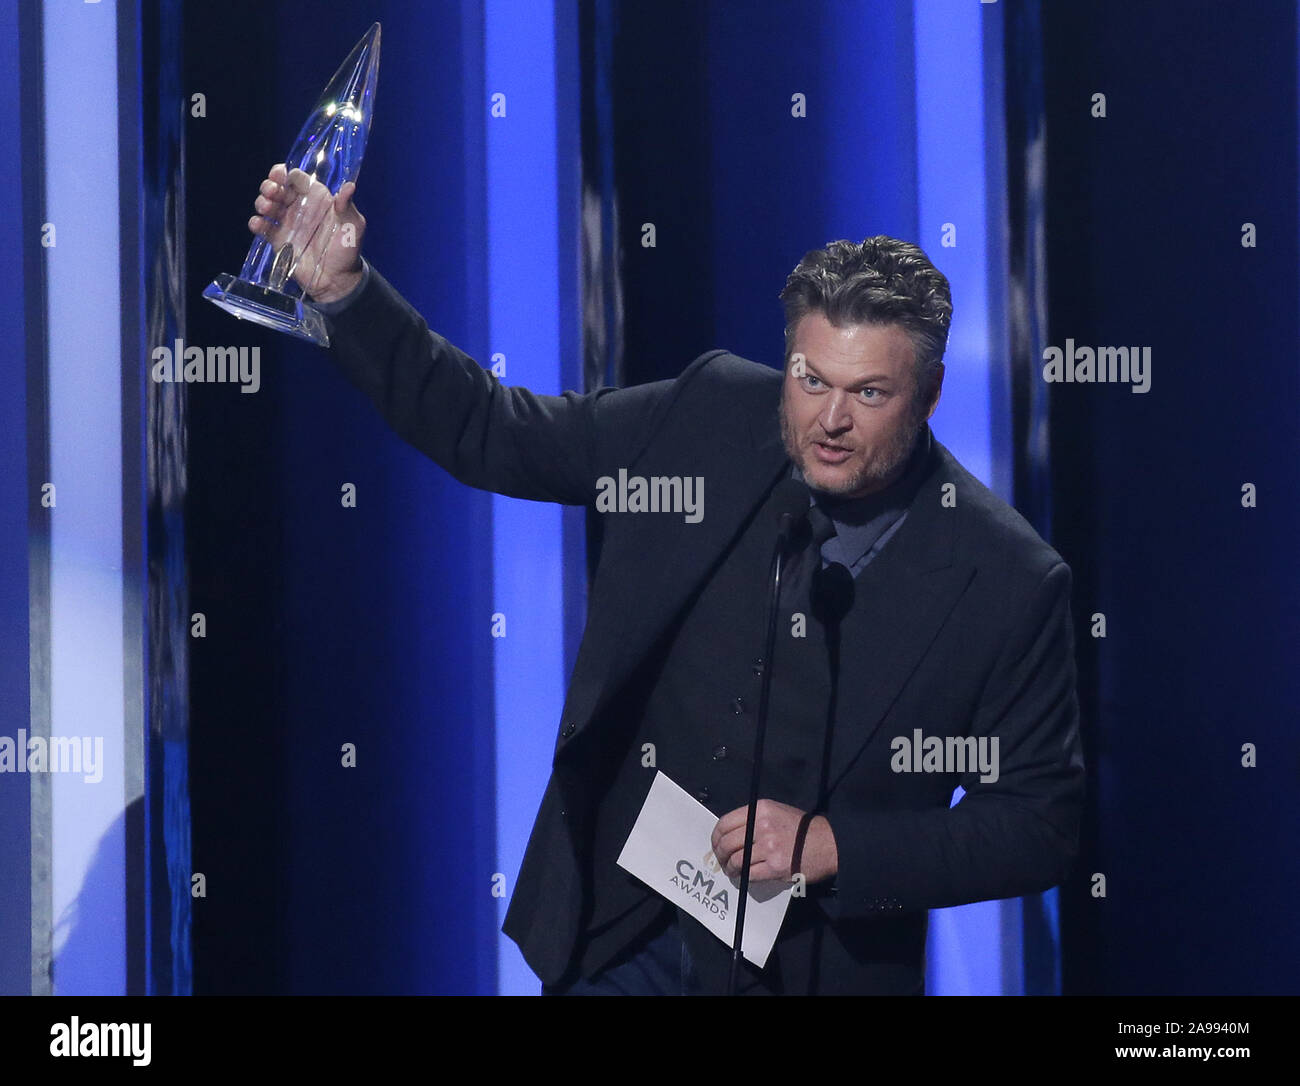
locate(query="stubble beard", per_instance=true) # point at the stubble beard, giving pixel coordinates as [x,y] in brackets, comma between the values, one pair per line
[876,474]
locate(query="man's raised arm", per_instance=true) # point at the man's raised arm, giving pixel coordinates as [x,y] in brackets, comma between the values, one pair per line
[434,396]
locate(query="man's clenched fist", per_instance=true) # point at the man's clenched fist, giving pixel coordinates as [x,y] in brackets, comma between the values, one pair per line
[787,841]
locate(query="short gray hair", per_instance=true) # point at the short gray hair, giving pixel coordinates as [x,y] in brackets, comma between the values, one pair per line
[882,281]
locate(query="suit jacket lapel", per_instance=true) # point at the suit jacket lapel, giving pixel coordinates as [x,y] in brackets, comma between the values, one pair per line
[901,601]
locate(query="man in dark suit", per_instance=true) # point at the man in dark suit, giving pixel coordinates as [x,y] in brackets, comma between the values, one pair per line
[925,638]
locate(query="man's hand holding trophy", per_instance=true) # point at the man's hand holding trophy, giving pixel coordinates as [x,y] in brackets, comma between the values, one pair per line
[308,244]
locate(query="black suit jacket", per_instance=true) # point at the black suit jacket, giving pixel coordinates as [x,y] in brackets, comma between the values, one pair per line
[966,613]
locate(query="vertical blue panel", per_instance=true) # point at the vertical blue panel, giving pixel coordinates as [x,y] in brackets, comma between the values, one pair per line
[968,947]
[997,239]
[15,810]
[88,862]
[166,639]
[782,183]
[952,214]
[524,292]
[868,144]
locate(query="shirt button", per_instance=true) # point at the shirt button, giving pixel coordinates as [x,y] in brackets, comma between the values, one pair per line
[702,795]
[738,705]
[719,753]
[757,665]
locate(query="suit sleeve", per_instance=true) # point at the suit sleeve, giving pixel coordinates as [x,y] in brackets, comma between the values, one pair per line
[484,433]
[1005,838]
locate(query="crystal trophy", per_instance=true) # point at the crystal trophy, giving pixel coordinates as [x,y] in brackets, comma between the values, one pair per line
[329,149]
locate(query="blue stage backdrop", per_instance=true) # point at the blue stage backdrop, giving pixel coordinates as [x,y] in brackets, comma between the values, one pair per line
[367,659]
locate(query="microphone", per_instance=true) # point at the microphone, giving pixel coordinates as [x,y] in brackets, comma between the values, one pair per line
[791,500]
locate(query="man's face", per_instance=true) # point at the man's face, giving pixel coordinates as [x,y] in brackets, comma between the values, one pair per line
[851,418]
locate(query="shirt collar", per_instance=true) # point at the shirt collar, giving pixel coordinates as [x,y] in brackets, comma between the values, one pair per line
[860,522]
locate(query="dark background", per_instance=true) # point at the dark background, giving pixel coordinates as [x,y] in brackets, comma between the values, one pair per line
[1144,246]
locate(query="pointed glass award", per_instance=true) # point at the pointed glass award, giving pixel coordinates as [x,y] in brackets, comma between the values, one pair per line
[329,149]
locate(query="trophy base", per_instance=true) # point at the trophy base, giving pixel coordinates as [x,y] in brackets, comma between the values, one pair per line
[267,307]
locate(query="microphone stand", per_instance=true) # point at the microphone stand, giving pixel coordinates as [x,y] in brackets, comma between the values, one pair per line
[760,733]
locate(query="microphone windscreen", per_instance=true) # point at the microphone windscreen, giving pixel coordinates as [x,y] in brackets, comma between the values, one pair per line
[832,593]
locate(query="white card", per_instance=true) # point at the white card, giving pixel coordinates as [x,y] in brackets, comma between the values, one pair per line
[670,850]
